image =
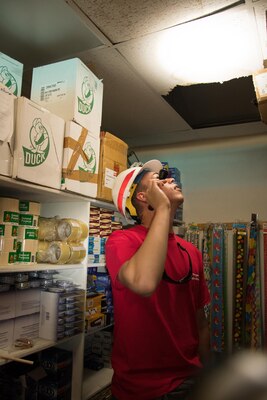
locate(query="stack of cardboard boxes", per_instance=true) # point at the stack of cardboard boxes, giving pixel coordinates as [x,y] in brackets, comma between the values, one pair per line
[53,139]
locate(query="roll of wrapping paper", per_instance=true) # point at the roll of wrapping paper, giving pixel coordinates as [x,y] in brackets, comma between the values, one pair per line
[59,252]
[239,283]
[72,230]
[47,229]
[78,253]
[217,290]
[252,308]
[265,281]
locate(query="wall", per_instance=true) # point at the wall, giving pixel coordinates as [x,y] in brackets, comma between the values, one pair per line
[223,181]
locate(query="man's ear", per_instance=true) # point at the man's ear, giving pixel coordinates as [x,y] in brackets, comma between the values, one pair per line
[141,196]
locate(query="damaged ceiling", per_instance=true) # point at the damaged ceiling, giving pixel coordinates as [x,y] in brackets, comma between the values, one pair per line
[143,104]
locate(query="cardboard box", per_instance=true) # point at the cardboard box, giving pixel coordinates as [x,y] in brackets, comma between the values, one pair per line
[7,128]
[6,333]
[38,145]
[80,160]
[7,305]
[27,302]
[70,90]
[48,315]
[11,72]
[26,326]
[260,85]
[113,160]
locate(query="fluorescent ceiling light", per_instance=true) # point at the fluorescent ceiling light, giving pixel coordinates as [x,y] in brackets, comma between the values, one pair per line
[216,48]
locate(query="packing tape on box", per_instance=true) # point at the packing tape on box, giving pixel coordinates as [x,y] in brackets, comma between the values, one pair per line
[27,233]
[8,231]
[8,258]
[47,229]
[9,203]
[72,230]
[7,245]
[29,207]
[78,253]
[9,217]
[28,220]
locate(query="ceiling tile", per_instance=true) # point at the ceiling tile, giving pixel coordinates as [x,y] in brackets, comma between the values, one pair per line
[122,20]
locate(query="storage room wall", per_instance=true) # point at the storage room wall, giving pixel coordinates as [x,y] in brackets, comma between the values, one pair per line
[223,181]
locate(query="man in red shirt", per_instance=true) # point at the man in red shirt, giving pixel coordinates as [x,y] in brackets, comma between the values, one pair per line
[161,334]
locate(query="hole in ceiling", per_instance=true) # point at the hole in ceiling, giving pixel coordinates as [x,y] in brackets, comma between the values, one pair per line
[214,104]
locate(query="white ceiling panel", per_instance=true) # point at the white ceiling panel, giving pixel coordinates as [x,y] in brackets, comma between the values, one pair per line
[130,107]
[122,20]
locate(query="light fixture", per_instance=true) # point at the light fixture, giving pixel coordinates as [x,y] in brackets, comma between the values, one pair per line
[215,48]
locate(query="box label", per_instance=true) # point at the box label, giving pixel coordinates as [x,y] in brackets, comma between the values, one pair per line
[10,216]
[40,144]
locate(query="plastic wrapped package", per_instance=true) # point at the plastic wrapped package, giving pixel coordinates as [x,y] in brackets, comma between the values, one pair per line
[48,229]
[72,230]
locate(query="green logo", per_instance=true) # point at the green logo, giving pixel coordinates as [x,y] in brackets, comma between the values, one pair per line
[88,89]
[7,79]
[39,149]
[88,165]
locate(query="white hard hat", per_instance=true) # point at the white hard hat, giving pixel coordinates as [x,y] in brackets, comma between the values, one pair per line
[123,184]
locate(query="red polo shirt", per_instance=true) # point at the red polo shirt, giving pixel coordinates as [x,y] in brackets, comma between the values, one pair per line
[155,338]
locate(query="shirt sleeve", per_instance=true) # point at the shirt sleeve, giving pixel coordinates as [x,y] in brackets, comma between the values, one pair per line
[120,247]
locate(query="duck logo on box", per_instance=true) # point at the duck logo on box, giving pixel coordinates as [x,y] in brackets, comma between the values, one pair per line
[86,104]
[40,145]
[7,79]
[89,163]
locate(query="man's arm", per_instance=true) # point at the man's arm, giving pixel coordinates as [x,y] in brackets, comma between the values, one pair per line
[204,336]
[143,272]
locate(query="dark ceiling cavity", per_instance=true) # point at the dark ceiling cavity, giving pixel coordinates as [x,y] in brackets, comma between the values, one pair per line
[214,104]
